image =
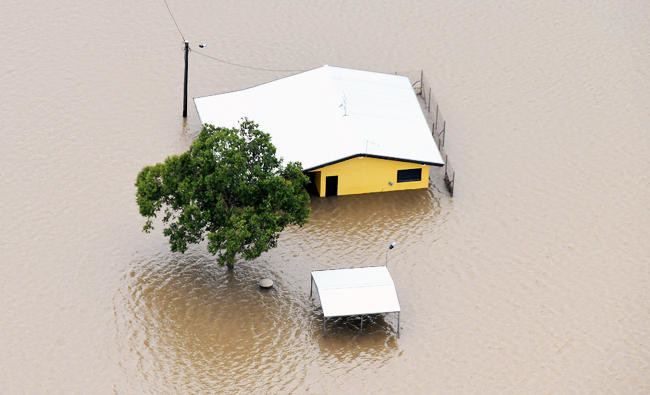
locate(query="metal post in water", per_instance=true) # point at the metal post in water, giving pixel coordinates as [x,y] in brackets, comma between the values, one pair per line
[436,115]
[187,51]
[453,181]
[398,314]
[444,128]
[390,247]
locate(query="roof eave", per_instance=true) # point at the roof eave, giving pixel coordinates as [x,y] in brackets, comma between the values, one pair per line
[419,162]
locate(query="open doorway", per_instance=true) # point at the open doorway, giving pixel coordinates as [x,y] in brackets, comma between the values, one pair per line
[331,185]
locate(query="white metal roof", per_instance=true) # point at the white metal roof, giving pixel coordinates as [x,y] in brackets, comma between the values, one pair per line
[329,114]
[363,290]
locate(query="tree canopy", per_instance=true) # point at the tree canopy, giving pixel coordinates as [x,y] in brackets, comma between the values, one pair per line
[228,188]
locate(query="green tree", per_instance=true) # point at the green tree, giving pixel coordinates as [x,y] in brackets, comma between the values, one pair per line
[230,188]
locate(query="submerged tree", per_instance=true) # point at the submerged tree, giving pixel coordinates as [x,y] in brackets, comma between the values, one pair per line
[230,188]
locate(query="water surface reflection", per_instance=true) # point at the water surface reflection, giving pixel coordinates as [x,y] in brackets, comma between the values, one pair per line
[209,328]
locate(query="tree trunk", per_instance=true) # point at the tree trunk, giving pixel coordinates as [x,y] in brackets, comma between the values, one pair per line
[230,261]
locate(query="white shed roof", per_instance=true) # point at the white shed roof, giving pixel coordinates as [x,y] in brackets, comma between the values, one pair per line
[330,114]
[358,291]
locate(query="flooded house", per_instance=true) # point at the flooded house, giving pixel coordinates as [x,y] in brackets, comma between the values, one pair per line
[353,131]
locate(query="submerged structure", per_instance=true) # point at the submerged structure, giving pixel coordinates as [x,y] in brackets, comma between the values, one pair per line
[355,292]
[353,131]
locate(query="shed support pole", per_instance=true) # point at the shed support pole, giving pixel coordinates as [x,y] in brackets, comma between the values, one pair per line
[324,320]
[361,327]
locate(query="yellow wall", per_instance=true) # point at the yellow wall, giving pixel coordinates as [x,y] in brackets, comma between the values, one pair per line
[365,175]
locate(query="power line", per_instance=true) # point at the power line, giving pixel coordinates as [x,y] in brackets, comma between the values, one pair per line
[248,66]
[174,19]
[223,60]
[227,61]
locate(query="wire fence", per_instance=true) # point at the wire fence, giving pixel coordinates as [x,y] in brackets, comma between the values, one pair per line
[438,126]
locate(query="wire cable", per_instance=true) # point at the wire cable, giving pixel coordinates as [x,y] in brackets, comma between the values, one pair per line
[247,66]
[174,19]
[226,61]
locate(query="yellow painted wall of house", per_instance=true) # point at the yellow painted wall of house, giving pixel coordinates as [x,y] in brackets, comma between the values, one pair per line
[366,175]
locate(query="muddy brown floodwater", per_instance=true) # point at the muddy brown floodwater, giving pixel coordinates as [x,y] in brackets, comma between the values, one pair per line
[533,278]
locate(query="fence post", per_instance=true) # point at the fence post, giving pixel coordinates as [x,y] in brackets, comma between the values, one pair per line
[429,99]
[436,115]
[421,81]
[453,181]
[444,129]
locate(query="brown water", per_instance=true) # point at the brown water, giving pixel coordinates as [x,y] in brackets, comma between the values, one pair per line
[535,277]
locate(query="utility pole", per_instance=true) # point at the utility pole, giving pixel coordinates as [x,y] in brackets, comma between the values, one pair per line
[187,51]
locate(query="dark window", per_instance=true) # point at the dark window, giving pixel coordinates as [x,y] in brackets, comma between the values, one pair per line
[409,175]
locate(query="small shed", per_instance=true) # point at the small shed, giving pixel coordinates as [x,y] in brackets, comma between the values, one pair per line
[355,292]
[353,131]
